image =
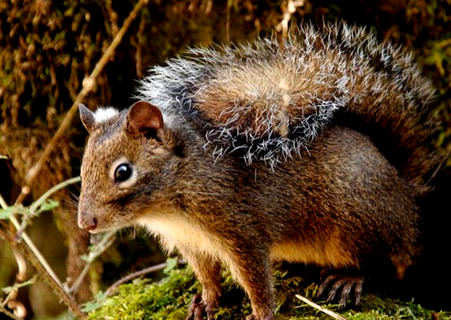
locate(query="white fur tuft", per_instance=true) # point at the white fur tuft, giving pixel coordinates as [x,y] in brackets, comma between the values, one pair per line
[104,114]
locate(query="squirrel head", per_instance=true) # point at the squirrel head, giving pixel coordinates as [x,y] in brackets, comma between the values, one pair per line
[127,161]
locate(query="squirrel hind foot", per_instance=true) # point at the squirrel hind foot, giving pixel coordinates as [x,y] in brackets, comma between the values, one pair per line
[342,285]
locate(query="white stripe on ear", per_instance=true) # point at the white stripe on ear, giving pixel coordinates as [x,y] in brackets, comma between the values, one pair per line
[104,114]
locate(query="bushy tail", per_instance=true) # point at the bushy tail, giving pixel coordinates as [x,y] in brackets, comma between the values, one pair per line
[268,100]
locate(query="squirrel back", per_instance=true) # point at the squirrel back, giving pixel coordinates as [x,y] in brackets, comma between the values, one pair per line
[269,100]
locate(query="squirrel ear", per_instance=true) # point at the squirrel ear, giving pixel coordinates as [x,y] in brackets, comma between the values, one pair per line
[145,117]
[87,117]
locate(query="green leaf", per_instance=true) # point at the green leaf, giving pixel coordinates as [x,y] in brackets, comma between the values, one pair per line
[6,213]
[48,205]
[99,300]
[171,263]
[91,306]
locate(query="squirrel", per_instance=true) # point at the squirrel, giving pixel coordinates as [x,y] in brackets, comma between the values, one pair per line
[310,150]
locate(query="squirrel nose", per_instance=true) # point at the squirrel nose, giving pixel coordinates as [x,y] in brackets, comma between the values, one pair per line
[86,221]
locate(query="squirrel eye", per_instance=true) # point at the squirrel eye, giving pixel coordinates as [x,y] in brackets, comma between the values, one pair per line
[123,172]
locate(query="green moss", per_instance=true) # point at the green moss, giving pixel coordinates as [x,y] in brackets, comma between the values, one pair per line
[169,299]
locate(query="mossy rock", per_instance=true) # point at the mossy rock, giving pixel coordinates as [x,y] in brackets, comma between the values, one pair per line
[169,298]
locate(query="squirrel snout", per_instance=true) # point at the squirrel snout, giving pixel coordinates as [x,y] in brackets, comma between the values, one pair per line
[87,221]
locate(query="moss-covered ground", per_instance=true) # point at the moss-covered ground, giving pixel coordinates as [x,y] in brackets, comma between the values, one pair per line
[169,298]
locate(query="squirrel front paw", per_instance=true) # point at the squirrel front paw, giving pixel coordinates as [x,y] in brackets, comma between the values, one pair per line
[198,309]
[344,283]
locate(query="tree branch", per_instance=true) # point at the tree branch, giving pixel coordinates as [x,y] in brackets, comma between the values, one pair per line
[27,247]
[88,85]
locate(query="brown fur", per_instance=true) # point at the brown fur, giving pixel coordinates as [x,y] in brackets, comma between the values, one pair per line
[340,204]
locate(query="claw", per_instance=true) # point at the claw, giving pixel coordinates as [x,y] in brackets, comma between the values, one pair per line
[335,288]
[358,290]
[342,285]
[324,285]
[345,291]
[196,309]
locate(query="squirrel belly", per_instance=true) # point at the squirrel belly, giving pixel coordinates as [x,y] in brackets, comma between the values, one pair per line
[309,151]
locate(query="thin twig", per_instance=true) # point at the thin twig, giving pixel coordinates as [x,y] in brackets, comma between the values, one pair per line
[35,250]
[26,238]
[106,241]
[27,247]
[8,313]
[51,281]
[29,250]
[35,205]
[3,203]
[88,85]
[11,298]
[23,235]
[322,309]
[228,9]
[137,274]
[290,9]
[11,301]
